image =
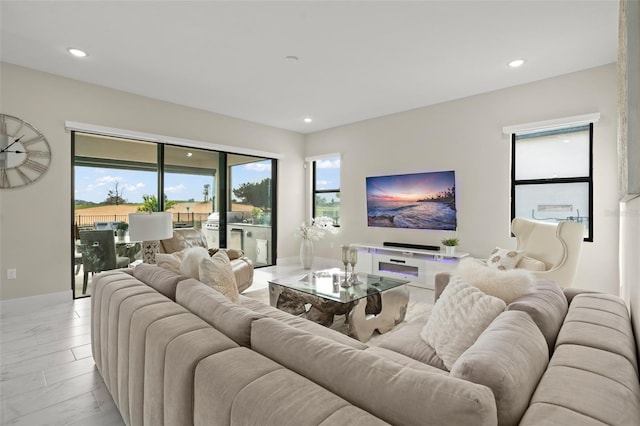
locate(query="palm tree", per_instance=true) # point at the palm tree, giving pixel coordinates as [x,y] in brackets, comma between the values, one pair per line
[151,203]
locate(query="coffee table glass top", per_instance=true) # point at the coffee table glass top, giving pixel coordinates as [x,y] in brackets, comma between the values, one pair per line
[327,284]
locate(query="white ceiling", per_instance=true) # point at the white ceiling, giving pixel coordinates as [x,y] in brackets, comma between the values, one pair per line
[357,59]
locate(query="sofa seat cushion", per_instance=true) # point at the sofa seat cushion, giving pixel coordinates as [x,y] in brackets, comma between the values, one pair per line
[547,306]
[160,279]
[406,341]
[242,387]
[509,357]
[300,323]
[600,321]
[585,385]
[413,397]
[403,360]
[209,304]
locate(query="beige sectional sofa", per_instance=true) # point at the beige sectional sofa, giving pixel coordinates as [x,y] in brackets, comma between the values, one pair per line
[173,351]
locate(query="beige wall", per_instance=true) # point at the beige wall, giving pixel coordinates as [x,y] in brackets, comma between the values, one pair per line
[466,136]
[35,221]
[463,135]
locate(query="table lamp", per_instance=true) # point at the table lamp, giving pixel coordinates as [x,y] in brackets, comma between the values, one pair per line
[150,228]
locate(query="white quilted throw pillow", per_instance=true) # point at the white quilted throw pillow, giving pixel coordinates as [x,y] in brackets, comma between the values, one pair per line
[459,316]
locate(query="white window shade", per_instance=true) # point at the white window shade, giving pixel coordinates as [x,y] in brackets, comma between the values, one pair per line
[558,123]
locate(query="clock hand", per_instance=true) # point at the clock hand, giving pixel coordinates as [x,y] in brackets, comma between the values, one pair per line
[15,151]
[9,146]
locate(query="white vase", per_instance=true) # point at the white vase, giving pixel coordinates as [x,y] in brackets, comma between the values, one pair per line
[306,253]
[450,249]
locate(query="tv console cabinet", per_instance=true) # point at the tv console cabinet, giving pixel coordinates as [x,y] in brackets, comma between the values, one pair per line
[417,266]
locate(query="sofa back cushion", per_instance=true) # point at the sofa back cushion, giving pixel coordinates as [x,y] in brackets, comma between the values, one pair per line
[547,306]
[183,238]
[393,392]
[160,279]
[210,305]
[509,357]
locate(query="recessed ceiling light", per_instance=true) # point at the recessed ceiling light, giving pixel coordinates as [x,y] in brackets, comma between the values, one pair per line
[291,58]
[516,63]
[189,154]
[77,52]
[308,120]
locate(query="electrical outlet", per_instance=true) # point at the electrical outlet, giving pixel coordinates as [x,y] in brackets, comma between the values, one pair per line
[11,274]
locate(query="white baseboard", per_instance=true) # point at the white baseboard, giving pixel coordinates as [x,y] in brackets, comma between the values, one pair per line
[34,303]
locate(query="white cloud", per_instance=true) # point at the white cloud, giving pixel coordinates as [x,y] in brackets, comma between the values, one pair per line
[328,164]
[259,167]
[174,189]
[134,188]
[109,179]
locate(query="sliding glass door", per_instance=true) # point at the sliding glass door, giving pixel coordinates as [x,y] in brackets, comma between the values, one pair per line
[229,197]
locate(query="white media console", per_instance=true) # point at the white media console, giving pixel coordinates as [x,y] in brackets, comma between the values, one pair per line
[418,266]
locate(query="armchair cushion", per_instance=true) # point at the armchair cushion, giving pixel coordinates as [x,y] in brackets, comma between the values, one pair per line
[531,264]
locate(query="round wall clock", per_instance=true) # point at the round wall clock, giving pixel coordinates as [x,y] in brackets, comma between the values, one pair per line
[24,152]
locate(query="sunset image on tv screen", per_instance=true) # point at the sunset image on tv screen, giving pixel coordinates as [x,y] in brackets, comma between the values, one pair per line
[417,201]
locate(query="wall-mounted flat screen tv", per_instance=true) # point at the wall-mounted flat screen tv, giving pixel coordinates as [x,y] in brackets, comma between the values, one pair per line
[415,201]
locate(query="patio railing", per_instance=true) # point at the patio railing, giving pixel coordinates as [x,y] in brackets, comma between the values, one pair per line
[179,219]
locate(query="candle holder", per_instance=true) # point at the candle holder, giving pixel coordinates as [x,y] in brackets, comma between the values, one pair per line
[353,259]
[345,261]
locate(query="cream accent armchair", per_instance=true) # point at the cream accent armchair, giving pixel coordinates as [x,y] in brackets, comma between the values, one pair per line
[557,245]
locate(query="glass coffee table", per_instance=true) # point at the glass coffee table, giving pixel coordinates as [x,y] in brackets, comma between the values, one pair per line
[376,303]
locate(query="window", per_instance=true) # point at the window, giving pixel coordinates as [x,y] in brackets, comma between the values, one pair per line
[552,176]
[114,176]
[326,188]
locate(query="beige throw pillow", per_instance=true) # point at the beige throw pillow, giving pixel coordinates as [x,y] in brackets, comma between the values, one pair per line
[191,263]
[507,285]
[459,316]
[216,272]
[504,259]
[170,261]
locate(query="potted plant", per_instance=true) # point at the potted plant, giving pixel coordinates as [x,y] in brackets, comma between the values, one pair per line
[121,230]
[450,245]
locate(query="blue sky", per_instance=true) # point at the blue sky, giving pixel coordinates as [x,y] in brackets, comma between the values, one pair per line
[93,184]
[328,173]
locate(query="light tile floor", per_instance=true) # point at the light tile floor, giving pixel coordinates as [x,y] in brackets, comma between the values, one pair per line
[47,374]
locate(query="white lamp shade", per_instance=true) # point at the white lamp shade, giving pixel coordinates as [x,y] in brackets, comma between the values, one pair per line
[150,226]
